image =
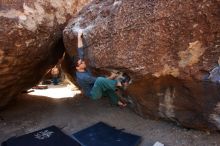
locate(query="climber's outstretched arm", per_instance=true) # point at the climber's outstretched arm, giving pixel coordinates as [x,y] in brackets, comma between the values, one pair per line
[80,45]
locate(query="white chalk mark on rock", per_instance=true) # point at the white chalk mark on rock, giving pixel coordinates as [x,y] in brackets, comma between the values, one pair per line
[215,117]
[166,107]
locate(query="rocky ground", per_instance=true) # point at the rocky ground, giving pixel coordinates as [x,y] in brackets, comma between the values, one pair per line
[29,113]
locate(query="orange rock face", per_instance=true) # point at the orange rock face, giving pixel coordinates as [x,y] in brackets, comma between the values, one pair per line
[152,40]
[150,37]
[192,104]
[30,41]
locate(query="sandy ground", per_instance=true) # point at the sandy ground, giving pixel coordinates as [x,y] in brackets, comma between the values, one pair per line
[29,113]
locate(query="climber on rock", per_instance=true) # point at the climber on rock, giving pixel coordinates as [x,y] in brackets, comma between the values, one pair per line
[95,87]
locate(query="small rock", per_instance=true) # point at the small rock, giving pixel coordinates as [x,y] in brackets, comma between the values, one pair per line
[158,144]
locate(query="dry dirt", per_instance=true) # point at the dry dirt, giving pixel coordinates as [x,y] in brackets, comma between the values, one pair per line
[29,113]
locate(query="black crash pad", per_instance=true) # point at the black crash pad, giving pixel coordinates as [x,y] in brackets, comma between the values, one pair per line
[102,134]
[50,136]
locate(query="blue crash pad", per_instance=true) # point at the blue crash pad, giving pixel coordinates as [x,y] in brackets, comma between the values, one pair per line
[102,134]
[50,136]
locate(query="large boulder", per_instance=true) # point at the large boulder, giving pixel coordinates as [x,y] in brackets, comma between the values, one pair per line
[167,47]
[192,104]
[30,41]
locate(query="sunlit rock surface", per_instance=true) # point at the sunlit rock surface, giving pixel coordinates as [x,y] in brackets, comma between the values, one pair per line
[30,41]
[150,37]
[152,40]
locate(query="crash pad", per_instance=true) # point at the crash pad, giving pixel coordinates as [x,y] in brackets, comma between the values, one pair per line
[50,136]
[101,134]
